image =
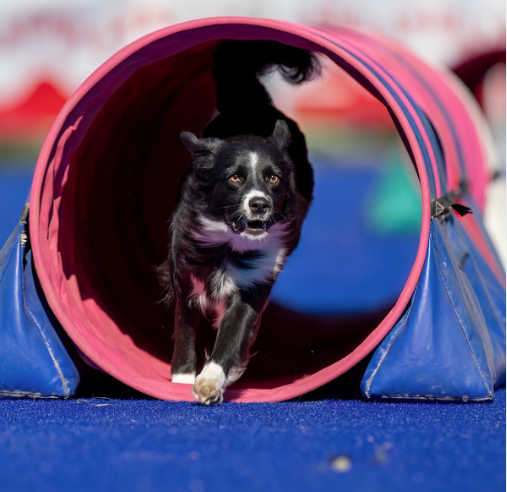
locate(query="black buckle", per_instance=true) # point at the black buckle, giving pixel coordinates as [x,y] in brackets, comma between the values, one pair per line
[441,207]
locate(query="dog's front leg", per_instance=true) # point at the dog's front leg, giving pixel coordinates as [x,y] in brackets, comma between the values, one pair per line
[236,334]
[186,321]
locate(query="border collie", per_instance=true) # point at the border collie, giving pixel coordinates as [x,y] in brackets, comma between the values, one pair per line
[241,207]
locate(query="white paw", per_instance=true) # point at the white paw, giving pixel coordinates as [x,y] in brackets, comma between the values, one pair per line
[208,386]
[188,378]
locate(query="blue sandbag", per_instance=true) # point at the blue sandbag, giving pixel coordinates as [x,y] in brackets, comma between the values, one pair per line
[34,360]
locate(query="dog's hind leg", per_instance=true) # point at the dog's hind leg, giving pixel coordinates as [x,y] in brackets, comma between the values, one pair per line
[185,326]
[236,334]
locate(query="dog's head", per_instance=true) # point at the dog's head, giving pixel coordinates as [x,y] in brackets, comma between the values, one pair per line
[243,184]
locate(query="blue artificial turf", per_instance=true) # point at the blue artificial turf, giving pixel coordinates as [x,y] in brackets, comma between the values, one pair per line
[147,445]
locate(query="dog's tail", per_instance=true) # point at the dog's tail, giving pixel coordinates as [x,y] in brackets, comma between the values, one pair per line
[239,64]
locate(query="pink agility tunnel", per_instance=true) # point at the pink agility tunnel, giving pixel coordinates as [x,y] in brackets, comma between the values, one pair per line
[107,178]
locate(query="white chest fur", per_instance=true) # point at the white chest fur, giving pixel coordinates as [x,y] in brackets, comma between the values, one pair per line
[212,295]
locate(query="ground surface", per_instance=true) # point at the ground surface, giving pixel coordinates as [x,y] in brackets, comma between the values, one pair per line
[145,445]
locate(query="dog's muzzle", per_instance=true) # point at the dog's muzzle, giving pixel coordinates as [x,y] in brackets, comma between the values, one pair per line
[256,217]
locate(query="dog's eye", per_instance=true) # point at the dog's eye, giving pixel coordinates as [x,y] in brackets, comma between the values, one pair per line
[273,179]
[234,178]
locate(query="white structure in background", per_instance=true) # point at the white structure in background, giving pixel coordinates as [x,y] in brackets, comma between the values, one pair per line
[495,214]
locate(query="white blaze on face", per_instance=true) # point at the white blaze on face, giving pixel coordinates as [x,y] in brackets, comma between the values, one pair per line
[254,159]
[253,162]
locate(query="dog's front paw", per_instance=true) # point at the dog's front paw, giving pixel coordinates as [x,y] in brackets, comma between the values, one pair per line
[208,386]
[208,391]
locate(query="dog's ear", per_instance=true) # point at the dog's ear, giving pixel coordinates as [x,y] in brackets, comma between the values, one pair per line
[200,147]
[203,150]
[281,137]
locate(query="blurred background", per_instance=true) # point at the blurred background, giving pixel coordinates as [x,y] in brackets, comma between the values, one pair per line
[49,47]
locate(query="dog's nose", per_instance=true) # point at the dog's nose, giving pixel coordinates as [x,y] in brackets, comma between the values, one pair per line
[259,205]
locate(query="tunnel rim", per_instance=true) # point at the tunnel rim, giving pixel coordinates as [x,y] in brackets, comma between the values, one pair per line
[42,254]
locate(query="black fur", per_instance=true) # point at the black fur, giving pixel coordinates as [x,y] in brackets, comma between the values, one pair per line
[241,208]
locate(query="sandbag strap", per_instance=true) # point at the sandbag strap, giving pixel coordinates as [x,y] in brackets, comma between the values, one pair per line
[442,206]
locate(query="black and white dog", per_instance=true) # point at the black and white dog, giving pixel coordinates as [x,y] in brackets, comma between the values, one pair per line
[241,207]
